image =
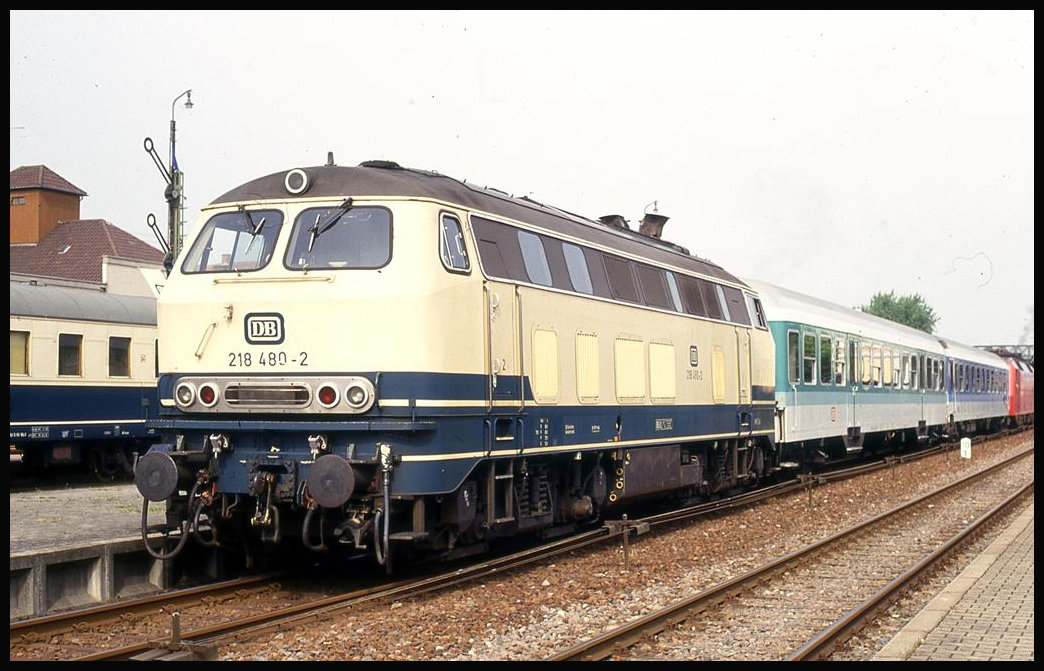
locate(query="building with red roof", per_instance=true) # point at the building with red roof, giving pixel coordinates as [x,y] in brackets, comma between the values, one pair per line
[51,244]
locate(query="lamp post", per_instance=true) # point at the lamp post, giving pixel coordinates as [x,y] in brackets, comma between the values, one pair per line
[176,188]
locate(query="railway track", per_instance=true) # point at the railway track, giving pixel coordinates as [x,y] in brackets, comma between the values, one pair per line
[800,605]
[192,639]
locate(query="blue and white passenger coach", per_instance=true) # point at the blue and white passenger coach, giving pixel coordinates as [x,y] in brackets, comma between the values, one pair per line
[847,381]
[370,355]
[83,377]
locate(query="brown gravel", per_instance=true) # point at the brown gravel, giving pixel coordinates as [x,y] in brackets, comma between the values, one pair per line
[530,614]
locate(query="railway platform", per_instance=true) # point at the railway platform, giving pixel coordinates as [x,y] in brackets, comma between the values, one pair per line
[78,547]
[986,613]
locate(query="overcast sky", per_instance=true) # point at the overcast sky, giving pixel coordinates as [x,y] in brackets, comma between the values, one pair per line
[834,153]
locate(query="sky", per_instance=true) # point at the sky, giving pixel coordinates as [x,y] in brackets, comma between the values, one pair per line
[839,154]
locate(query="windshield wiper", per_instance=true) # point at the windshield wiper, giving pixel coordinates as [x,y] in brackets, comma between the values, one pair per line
[254,228]
[315,231]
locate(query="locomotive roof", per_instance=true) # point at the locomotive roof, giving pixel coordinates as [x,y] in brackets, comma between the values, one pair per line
[385,178]
[29,300]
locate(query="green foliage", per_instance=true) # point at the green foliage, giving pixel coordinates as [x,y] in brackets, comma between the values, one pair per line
[909,310]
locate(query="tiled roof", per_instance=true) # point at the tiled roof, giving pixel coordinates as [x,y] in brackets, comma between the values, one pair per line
[74,250]
[42,177]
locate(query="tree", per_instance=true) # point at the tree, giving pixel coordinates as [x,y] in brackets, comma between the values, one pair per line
[910,310]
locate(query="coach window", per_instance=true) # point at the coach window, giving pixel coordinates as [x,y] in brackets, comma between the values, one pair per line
[237,241]
[825,359]
[672,286]
[70,359]
[853,362]
[867,364]
[451,245]
[621,279]
[877,365]
[793,357]
[653,286]
[119,357]
[839,361]
[905,370]
[535,259]
[809,358]
[886,366]
[576,264]
[914,371]
[19,352]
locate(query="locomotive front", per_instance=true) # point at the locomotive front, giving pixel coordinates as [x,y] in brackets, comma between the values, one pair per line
[307,309]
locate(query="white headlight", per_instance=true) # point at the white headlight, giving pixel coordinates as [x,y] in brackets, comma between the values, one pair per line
[185,394]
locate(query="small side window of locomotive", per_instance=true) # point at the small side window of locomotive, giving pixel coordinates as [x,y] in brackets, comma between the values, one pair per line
[342,237]
[451,245]
[653,287]
[535,259]
[725,312]
[576,264]
[232,242]
[736,307]
[621,279]
[710,300]
[19,352]
[70,359]
[692,297]
[672,285]
[119,357]
[754,308]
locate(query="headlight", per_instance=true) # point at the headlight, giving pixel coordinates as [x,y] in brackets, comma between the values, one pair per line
[359,394]
[185,394]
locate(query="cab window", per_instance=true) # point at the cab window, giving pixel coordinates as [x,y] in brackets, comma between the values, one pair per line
[341,237]
[233,242]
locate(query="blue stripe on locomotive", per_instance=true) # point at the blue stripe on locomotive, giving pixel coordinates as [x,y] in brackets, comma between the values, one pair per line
[58,412]
[441,445]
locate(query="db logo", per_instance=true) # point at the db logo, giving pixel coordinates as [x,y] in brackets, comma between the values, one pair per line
[263,328]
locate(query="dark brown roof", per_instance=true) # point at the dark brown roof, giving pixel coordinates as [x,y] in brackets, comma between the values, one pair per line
[385,178]
[42,177]
[74,250]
